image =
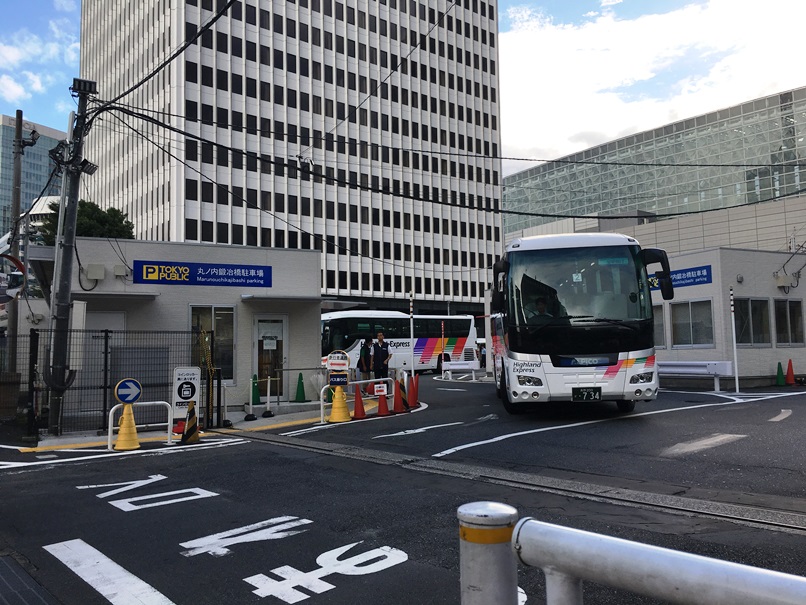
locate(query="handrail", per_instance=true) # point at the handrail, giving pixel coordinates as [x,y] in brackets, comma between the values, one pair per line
[569,556]
[120,405]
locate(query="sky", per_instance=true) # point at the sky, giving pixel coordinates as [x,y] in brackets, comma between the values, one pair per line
[573,73]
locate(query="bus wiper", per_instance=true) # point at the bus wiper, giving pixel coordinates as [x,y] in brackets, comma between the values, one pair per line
[616,322]
[550,321]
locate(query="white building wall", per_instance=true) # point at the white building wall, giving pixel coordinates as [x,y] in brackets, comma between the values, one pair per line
[375,157]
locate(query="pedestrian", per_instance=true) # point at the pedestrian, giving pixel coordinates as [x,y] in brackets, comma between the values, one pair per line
[365,363]
[380,357]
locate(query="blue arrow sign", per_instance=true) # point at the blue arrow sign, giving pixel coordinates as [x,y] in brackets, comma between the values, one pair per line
[128,390]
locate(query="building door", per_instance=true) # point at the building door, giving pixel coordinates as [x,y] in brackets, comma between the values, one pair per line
[271,356]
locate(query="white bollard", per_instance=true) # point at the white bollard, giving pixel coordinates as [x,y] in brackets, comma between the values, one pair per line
[488,571]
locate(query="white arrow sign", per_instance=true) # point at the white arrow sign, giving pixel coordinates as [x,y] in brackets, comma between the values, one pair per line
[128,390]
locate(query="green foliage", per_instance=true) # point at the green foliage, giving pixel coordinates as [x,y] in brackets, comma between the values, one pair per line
[91,221]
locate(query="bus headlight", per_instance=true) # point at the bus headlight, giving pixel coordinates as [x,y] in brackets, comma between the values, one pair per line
[642,378]
[529,381]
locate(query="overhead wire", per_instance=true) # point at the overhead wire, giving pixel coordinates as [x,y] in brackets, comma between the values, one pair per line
[323,239]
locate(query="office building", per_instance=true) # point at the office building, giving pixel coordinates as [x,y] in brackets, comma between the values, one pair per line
[723,193]
[365,130]
[36,167]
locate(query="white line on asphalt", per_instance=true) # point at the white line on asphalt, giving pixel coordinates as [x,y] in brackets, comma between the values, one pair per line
[442,389]
[731,401]
[107,454]
[416,431]
[114,583]
[698,445]
[783,415]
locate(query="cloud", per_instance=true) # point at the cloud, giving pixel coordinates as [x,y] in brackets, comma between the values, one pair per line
[66,6]
[11,90]
[566,87]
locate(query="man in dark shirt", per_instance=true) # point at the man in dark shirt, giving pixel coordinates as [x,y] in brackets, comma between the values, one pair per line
[365,362]
[380,357]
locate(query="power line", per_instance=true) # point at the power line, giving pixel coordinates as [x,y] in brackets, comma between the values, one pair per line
[321,238]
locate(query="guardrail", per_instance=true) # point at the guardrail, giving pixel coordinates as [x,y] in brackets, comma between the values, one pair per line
[170,423]
[695,369]
[448,367]
[488,574]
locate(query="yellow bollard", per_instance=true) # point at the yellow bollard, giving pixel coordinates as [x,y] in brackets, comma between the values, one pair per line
[191,432]
[339,412]
[127,435]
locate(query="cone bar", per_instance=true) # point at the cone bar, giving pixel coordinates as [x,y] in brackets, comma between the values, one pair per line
[790,374]
[127,435]
[191,433]
[398,400]
[414,392]
[358,406]
[383,406]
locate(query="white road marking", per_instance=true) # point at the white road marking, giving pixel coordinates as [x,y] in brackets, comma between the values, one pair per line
[731,401]
[416,431]
[444,389]
[113,582]
[160,452]
[700,444]
[782,416]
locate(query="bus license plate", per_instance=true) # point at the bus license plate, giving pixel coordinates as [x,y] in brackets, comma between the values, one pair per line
[586,393]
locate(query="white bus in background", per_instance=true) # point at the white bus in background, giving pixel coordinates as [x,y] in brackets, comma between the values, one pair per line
[593,337]
[437,338]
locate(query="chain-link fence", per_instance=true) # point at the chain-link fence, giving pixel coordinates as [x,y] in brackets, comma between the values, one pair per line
[100,359]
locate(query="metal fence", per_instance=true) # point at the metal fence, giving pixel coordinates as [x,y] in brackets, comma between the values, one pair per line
[100,359]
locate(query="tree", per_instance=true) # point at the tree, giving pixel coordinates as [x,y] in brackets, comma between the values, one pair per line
[91,221]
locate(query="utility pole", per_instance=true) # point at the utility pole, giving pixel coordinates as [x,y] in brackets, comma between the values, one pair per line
[59,377]
[13,305]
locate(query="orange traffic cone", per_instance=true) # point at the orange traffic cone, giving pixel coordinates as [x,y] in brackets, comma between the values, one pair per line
[371,388]
[398,403]
[358,406]
[790,374]
[383,407]
[414,395]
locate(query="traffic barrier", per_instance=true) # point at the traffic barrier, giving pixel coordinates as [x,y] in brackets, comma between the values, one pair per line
[191,432]
[404,392]
[300,398]
[488,571]
[127,435]
[414,390]
[339,412]
[383,406]
[253,400]
[790,374]
[397,406]
[359,413]
[779,379]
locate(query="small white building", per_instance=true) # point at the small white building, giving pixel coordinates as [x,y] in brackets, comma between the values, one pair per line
[263,305]
[768,309]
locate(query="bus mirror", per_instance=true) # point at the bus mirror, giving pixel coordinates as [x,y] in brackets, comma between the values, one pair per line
[651,256]
[665,284]
[500,269]
[497,301]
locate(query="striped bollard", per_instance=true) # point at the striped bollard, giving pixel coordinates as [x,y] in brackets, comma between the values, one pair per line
[488,571]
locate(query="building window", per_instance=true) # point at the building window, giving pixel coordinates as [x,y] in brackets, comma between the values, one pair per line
[752,317]
[692,324]
[660,331]
[788,322]
[220,322]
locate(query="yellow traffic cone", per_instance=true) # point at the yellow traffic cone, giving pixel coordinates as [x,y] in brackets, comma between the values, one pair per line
[127,435]
[191,433]
[339,412]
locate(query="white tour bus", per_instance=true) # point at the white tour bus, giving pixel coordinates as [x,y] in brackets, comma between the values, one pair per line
[572,320]
[437,338]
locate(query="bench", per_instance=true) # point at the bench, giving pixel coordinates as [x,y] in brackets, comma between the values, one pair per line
[448,367]
[696,369]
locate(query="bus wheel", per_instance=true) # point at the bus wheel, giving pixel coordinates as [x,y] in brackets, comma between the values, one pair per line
[625,406]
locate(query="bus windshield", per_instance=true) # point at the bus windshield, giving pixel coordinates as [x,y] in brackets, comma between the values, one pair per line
[569,297]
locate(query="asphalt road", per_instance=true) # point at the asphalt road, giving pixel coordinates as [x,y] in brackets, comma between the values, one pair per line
[268,516]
